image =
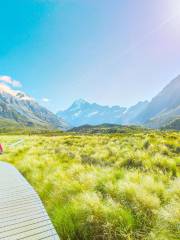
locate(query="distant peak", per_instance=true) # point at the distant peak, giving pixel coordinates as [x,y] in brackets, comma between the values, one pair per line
[78,104]
[80,101]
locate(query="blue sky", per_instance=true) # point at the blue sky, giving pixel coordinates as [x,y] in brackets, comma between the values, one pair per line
[112,52]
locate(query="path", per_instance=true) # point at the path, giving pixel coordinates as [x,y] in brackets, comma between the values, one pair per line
[22,214]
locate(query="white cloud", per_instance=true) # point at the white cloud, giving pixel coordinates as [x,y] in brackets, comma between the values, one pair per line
[9,80]
[46,100]
[7,89]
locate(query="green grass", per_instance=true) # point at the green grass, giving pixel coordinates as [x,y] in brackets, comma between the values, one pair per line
[106,128]
[11,127]
[105,187]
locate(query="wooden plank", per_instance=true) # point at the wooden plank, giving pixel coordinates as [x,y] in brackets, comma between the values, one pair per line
[22,214]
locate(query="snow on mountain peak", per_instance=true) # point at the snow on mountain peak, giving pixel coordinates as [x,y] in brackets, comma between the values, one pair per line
[22,96]
[79,102]
[4,89]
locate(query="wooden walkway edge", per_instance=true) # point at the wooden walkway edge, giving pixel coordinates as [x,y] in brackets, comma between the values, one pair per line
[22,214]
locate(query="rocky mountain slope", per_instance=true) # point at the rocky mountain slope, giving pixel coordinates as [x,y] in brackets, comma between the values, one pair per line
[164,108]
[173,125]
[21,108]
[130,116]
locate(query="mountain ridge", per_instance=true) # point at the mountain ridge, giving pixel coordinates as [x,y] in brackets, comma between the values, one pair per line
[161,110]
[164,107]
[82,112]
[21,108]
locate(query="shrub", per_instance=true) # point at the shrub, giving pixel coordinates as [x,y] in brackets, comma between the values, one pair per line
[117,186]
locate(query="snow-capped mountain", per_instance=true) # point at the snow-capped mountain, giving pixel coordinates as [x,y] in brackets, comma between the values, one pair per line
[160,111]
[82,112]
[19,107]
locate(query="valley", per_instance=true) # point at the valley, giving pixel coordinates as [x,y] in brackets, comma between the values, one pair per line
[106,186]
[89,120]
[24,112]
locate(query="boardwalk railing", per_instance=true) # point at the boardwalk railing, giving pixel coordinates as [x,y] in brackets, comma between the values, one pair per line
[22,214]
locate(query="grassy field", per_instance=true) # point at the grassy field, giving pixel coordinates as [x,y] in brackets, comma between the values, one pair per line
[105,187]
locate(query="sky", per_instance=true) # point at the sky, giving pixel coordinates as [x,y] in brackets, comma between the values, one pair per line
[113,52]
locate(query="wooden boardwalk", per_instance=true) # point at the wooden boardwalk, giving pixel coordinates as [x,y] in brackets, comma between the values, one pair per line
[22,214]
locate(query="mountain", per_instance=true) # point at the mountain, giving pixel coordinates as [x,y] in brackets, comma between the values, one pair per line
[164,108]
[82,112]
[173,125]
[131,114]
[21,108]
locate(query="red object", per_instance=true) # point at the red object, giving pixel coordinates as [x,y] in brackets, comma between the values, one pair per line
[1,148]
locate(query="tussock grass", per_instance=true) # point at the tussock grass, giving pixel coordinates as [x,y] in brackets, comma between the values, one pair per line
[109,187]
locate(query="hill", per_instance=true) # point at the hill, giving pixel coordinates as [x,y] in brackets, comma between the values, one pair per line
[16,128]
[104,129]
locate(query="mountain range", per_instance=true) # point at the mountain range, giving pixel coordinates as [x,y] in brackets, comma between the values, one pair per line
[82,112]
[162,110]
[20,108]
